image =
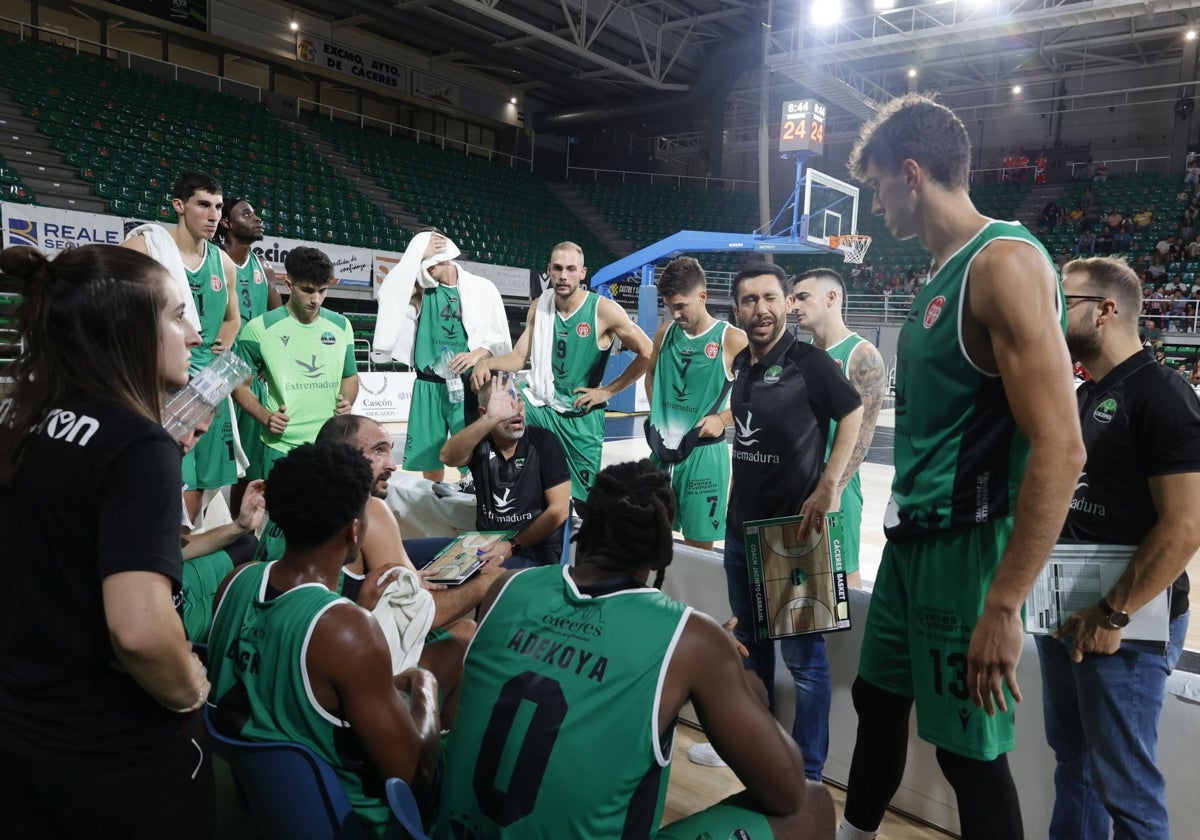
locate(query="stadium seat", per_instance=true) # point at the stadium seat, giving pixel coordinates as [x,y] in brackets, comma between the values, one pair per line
[292,792]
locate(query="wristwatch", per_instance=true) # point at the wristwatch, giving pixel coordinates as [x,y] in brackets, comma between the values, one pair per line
[516,549]
[1115,619]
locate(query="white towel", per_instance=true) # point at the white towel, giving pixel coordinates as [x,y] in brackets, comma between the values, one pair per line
[405,612]
[396,290]
[483,318]
[161,246]
[540,388]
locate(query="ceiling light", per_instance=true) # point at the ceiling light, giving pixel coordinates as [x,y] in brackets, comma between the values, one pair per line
[293,26]
[912,72]
[1190,35]
[513,100]
[883,5]
[1016,89]
[825,12]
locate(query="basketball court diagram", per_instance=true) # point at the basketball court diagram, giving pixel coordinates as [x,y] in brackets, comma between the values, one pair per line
[796,586]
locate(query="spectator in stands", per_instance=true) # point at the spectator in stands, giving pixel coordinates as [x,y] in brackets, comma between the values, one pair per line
[212,277]
[1157,270]
[1163,246]
[1143,218]
[1194,377]
[1100,173]
[306,354]
[1192,175]
[1048,218]
[98,730]
[1160,355]
[292,660]
[1175,311]
[1122,240]
[1104,241]
[1193,248]
[522,483]
[1149,332]
[1086,244]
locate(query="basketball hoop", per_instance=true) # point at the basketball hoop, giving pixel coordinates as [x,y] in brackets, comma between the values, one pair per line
[853,246]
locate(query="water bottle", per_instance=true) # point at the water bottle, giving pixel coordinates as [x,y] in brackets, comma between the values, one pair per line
[206,390]
[453,381]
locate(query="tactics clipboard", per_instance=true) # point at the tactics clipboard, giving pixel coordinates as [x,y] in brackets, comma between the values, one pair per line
[796,588]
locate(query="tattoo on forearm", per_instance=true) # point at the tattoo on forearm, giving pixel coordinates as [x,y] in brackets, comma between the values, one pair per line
[867,375]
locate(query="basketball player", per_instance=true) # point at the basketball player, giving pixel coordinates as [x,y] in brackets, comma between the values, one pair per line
[294,661]
[239,228]
[305,353]
[987,452]
[211,275]
[579,673]
[816,301]
[569,332]
[688,383]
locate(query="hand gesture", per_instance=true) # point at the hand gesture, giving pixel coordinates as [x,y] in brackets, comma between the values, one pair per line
[254,505]
[590,398]
[278,421]
[992,658]
[503,402]
[344,406]
[481,374]
[436,245]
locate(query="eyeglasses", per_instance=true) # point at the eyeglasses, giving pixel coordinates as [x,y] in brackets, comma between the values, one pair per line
[1069,298]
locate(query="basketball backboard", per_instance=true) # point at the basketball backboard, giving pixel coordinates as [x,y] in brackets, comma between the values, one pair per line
[830,207]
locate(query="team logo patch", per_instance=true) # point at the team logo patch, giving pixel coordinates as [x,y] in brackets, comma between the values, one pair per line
[327,338]
[217,283]
[1105,412]
[22,232]
[583,330]
[933,310]
[712,349]
[258,278]
[771,376]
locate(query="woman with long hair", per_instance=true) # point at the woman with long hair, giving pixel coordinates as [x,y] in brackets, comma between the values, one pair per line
[99,689]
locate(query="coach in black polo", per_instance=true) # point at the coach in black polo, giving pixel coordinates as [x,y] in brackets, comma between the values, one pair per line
[785,393]
[1102,694]
[522,482]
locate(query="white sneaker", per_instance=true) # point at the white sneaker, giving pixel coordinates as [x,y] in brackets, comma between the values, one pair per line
[706,755]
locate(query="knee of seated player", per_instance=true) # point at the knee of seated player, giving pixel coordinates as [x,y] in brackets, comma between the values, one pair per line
[814,820]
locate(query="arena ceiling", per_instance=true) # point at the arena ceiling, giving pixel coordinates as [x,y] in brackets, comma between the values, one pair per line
[604,57]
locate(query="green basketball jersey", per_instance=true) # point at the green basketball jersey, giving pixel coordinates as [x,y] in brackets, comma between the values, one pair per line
[207,283]
[439,325]
[556,734]
[690,381]
[577,361]
[251,288]
[959,454]
[259,646]
[841,353]
[304,365]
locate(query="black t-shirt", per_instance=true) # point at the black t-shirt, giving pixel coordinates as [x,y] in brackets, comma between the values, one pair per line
[511,493]
[782,407]
[97,494]
[1140,421]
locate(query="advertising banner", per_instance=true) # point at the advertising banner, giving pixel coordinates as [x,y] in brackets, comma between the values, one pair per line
[385,397]
[50,230]
[350,61]
[351,266]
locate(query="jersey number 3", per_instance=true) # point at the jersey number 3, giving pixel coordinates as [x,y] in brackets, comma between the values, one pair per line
[506,787]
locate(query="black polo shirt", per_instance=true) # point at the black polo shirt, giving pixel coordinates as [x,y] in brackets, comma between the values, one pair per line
[511,492]
[1140,421]
[782,407]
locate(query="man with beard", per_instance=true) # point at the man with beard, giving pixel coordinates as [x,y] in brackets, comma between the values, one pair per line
[1102,694]
[521,478]
[785,396]
[238,229]
[568,333]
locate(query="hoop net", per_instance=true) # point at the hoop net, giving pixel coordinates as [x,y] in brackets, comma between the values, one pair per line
[852,245]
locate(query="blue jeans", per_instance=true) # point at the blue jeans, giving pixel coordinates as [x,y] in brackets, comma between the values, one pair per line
[1102,723]
[803,655]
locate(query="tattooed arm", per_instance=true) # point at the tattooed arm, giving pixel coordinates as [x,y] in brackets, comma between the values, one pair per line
[866,374]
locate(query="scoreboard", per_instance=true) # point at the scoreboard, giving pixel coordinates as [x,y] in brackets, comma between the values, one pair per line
[803,128]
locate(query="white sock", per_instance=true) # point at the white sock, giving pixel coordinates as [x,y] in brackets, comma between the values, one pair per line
[848,832]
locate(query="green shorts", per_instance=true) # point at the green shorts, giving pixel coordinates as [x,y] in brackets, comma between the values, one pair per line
[582,439]
[202,578]
[432,418]
[210,464]
[267,458]
[928,595]
[701,485]
[250,432]
[852,505]
[736,818]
